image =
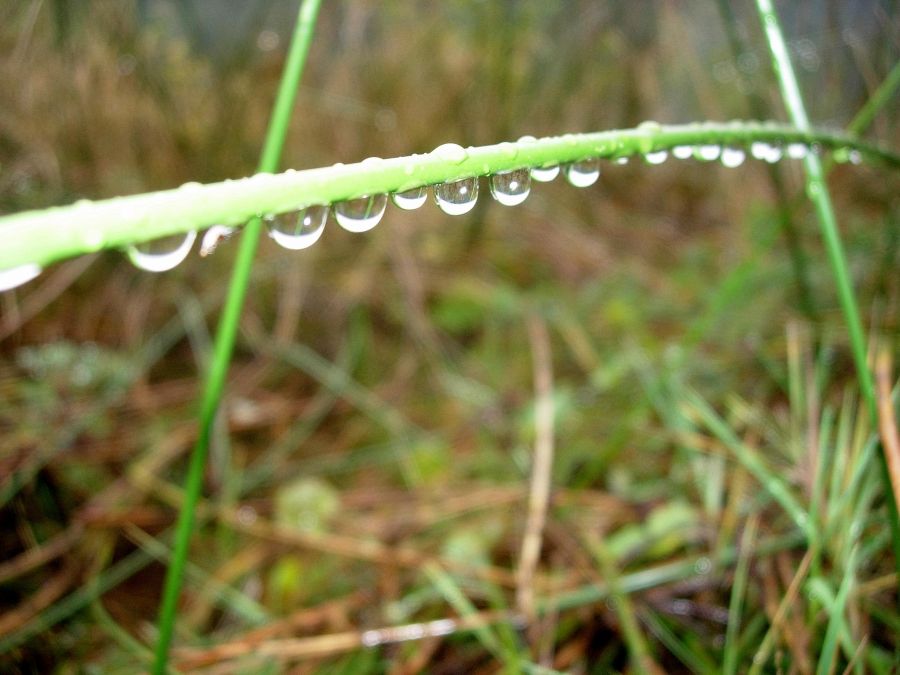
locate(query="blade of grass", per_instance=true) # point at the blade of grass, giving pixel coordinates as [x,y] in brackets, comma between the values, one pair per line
[738,588]
[225,336]
[836,623]
[45,236]
[817,190]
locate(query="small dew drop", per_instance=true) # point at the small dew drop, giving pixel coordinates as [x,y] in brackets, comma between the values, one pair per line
[410,200]
[855,157]
[297,230]
[703,565]
[527,139]
[457,197]
[583,173]
[766,151]
[797,150]
[163,254]
[682,151]
[361,214]
[732,157]
[17,276]
[451,152]
[622,161]
[707,153]
[657,157]
[509,150]
[213,237]
[545,174]
[511,187]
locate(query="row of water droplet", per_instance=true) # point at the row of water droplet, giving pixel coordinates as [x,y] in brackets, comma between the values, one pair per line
[302,228]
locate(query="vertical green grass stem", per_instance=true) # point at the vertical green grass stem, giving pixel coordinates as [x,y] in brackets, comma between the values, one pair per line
[228,325]
[817,190]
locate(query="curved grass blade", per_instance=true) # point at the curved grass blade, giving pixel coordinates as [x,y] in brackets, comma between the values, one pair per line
[45,236]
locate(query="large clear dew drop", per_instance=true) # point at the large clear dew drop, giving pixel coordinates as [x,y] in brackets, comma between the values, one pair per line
[511,187]
[12,278]
[682,151]
[656,157]
[361,214]
[545,174]
[297,230]
[410,200]
[163,254]
[583,173]
[457,197]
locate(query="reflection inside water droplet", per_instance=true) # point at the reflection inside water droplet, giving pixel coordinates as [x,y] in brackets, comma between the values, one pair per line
[297,230]
[361,214]
[163,254]
[511,187]
[17,276]
[682,151]
[657,157]
[583,173]
[410,199]
[457,197]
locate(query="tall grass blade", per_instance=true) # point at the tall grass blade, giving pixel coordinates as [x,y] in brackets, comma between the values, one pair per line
[817,190]
[225,337]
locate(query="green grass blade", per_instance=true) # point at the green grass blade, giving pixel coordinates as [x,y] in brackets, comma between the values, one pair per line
[45,236]
[225,337]
[817,190]
[736,606]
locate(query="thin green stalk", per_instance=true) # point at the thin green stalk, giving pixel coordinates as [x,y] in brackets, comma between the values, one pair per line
[738,589]
[45,236]
[817,190]
[228,324]
[876,102]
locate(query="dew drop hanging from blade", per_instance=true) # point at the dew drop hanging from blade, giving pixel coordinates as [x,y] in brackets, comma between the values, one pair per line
[163,254]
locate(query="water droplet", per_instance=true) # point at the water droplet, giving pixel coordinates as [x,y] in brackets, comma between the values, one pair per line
[583,173]
[732,157]
[545,174]
[650,126]
[707,153]
[511,187]
[622,161]
[213,237]
[509,150]
[703,565]
[361,214]
[410,200]
[17,276]
[163,254]
[797,150]
[766,151]
[457,197]
[657,157]
[855,157]
[297,230]
[451,152]
[682,151]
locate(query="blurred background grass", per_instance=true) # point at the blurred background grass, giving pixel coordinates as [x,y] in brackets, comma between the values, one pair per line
[382,388]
